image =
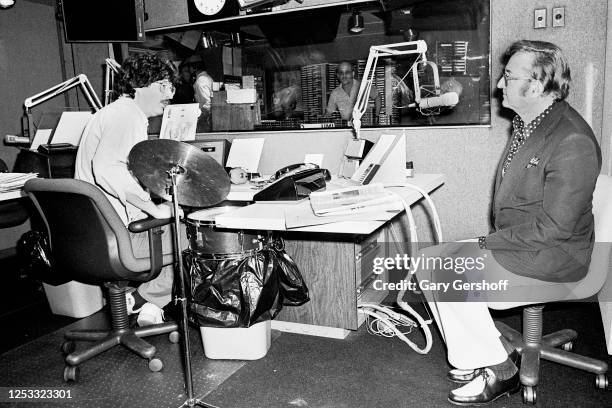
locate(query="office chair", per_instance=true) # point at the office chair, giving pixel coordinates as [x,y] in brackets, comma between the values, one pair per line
[531,345]
[12,212]
[89,243]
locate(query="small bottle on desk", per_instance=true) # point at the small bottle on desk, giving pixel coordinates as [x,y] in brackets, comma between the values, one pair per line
[409,169]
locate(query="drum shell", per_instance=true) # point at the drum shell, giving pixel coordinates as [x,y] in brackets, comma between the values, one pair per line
[205,239]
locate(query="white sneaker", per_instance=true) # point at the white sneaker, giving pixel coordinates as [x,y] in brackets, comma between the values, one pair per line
[130,302]
[150,314]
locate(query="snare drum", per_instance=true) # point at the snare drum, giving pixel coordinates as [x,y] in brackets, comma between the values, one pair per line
[207,240]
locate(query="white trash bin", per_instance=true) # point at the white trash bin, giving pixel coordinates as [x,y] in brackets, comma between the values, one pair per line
[237,343]
[74,299]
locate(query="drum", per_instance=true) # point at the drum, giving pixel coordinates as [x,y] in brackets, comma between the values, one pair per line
[208,241]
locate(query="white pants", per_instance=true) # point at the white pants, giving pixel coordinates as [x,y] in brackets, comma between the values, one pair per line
[471,338]
[158,290]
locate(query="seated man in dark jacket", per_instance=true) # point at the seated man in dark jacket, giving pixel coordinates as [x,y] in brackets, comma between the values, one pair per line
[542,219]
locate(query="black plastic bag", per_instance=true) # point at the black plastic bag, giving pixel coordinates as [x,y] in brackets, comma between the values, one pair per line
[242,290]
[292,286]
[35,256]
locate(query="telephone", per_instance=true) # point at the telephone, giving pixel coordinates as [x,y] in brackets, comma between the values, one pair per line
[294,182]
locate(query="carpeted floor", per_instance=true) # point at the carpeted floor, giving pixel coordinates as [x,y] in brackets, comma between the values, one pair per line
[298,371]
[117,378]
[371,372]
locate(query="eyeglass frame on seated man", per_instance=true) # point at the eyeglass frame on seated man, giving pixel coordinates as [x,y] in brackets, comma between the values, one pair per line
[166,85]
[507,78]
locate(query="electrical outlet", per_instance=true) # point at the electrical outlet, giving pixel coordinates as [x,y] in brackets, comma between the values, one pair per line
[558,16]
[539,18]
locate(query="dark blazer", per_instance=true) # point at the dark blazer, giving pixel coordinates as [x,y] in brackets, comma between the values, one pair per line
[542,206]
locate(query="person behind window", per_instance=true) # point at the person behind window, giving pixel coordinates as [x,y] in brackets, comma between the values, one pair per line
[203,91]
[543,231]
[344,96]
[184,87]
[145,84]
[285,102]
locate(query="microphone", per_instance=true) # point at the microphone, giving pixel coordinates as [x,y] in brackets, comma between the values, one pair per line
[447,99]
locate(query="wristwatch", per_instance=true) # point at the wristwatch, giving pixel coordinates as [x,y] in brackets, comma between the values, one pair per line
[482,242]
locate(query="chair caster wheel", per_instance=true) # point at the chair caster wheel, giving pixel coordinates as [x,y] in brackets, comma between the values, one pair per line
[71,373]
[529,395]
[68,347]
[174,337]
[155,364]
[569,346]
[601,381]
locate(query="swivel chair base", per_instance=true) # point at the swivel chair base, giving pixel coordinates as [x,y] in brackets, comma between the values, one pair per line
[121,333]
[532,346]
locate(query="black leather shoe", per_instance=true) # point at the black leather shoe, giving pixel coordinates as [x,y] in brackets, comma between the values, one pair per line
[484,389]
[460,376]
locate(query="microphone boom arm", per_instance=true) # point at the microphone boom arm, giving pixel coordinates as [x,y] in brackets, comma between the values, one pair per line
[79,80]
[376,51]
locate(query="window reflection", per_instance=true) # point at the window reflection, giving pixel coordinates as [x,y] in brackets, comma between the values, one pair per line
[297,60]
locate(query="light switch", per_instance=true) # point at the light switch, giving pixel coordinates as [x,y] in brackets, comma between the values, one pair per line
[558,16]
[539,18]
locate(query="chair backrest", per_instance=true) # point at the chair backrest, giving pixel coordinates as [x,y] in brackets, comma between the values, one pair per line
[600,258]
[88,240]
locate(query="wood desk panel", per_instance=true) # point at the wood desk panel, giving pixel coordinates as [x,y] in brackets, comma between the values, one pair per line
[328,268]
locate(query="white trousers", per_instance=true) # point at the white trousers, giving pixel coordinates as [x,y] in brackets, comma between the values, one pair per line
[158,290]
[471,338]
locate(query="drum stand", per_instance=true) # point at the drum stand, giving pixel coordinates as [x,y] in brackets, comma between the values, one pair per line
[175,171]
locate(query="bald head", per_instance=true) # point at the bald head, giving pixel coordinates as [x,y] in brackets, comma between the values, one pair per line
[345,72]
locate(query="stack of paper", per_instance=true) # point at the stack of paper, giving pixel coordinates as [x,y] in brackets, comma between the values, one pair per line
[14,181]
[354,199]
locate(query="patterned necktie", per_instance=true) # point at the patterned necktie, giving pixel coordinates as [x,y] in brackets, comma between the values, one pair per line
[520,133]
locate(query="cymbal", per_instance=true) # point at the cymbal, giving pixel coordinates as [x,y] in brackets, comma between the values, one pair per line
[201,181]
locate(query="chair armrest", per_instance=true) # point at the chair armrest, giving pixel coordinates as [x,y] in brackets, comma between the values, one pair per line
[153,225]
[147,223]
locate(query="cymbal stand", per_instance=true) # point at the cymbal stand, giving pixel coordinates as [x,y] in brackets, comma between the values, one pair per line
[174,172]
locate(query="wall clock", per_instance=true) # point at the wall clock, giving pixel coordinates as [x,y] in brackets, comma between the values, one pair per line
[203,10]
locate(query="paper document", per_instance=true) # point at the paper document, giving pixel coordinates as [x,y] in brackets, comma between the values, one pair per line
[353,199]
[14,181]
[314,158]
[41,136]
[245,153]
[180,121]
[70,127]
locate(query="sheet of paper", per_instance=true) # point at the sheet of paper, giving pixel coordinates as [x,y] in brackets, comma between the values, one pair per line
[41,136]
[70,127]
[179,122]
[245,153]
[303,216]
[314,159]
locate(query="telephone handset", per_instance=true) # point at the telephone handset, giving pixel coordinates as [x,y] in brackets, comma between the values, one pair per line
[297,168]
[294,182]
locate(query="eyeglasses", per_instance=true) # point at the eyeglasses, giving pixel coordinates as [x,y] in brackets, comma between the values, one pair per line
[165,85]
[508,78]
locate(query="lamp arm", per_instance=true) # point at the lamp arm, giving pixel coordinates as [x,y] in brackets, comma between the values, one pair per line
[112,68]
[79,80]
[58,89]
[377,51]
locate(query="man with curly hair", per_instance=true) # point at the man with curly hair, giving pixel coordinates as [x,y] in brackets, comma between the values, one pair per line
[145,87]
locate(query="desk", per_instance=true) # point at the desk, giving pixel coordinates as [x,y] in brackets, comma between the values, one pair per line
[329,257]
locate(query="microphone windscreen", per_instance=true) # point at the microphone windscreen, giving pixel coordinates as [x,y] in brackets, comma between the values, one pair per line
[447,99]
